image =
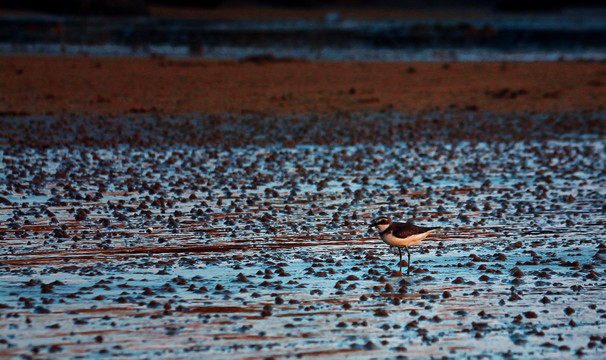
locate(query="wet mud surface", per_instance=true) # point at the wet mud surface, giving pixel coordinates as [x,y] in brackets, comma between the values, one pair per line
[251,242]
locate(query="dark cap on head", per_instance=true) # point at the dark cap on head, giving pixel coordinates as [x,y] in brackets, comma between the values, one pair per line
[381,220]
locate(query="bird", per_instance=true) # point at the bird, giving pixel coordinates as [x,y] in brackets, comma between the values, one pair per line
[400,234]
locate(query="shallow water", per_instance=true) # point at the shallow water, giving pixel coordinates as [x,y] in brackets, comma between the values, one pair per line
[168,251]
[570,35]
[313,53]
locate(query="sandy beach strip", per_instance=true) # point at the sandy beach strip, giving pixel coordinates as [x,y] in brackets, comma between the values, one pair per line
[38,85]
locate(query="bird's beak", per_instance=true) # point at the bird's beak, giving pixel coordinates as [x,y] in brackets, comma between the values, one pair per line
[372,224]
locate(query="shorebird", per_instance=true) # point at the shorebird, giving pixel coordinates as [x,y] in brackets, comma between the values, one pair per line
[401,234]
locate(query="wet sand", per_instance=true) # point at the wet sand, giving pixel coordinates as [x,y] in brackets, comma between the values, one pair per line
[57,85]
[263,251]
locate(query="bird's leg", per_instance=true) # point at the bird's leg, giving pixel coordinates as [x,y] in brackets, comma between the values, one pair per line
[400,251]
[408,251]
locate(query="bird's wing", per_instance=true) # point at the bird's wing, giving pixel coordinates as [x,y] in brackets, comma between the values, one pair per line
[404,230]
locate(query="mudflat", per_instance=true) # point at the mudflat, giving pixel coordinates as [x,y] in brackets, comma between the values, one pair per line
[189,208]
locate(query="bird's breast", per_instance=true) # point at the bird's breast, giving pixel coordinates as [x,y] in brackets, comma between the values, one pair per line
[391,240]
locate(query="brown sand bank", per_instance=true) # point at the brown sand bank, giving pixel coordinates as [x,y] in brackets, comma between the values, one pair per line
[111,86]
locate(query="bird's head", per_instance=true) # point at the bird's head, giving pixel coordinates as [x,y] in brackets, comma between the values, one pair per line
[382,222]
